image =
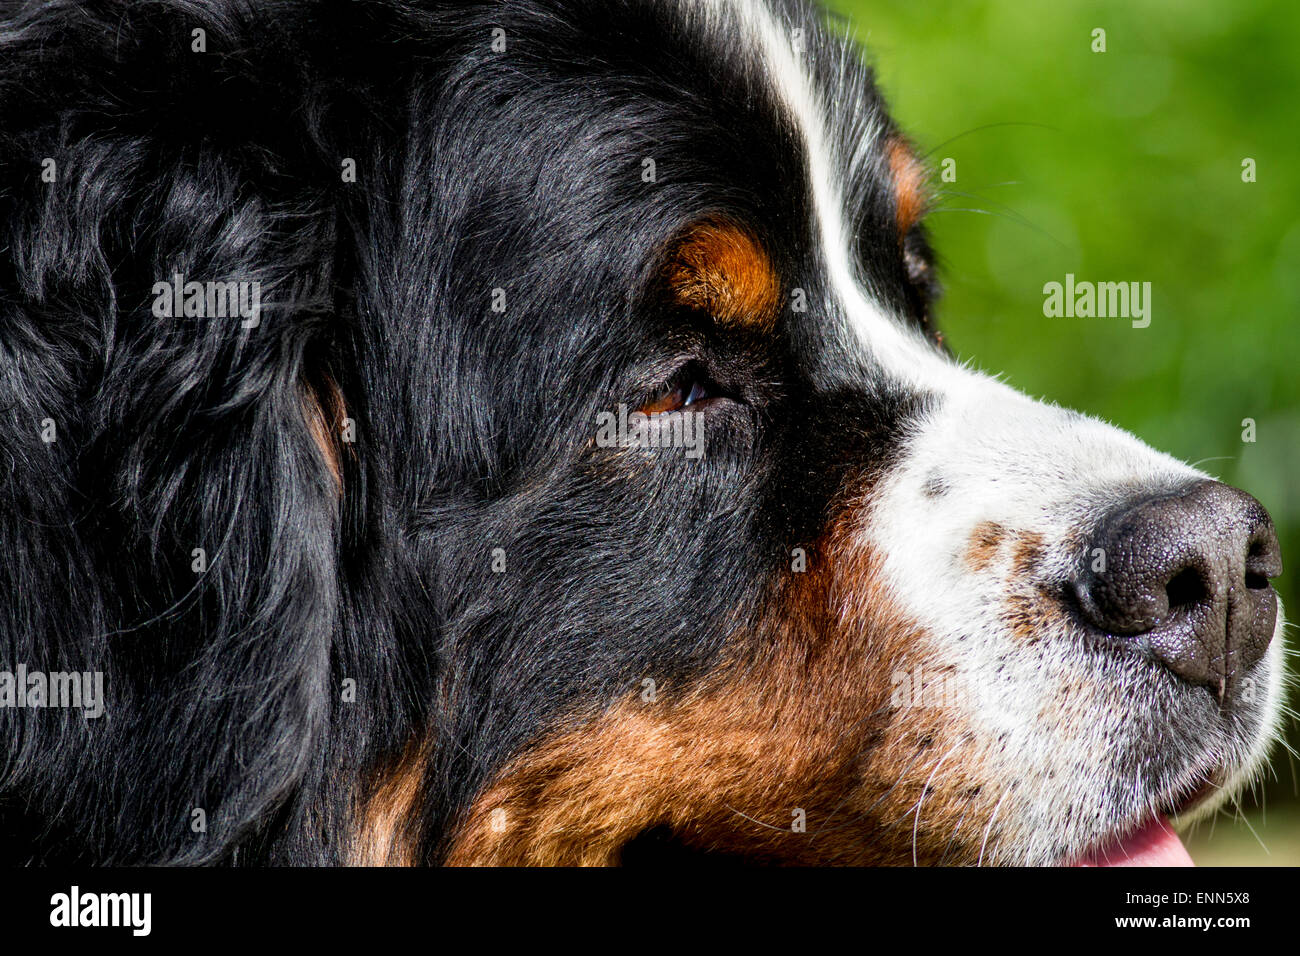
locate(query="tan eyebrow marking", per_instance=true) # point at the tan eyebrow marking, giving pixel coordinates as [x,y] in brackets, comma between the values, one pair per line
[911,185]
[721,268]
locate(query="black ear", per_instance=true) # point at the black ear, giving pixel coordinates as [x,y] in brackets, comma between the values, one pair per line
[171,274]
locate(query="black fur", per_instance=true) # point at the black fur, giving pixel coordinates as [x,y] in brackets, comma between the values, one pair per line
[475,170]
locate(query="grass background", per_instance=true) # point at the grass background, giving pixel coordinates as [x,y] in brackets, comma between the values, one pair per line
[1126,166]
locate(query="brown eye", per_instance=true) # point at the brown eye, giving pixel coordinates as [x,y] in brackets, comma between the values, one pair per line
[669,401]
[687,391]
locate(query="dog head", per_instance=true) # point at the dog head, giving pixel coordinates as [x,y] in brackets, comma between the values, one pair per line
[593,484]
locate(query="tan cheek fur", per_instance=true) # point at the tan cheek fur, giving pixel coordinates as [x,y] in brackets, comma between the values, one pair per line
[798,718]
[380,835]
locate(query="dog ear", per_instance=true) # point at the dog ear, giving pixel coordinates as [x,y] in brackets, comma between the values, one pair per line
[170,448]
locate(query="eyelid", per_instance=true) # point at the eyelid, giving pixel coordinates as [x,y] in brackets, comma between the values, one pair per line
[687,386]
[667,401]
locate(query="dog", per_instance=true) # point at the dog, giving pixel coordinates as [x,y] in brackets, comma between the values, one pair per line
[518,433]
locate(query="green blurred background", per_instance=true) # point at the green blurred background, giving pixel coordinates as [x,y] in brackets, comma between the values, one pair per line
[1127,166]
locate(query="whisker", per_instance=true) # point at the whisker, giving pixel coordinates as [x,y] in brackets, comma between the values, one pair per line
[752,820]
[952,839]
[987,126]
[925,789]
[1002,215]
[989,828]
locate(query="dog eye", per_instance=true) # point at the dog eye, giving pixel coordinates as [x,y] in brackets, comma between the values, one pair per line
[675,399]
[688,387]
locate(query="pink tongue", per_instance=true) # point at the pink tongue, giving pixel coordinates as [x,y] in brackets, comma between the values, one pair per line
[1156,844]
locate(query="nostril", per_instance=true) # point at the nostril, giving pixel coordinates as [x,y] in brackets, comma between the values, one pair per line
[1187,575]
[1263,559]
[1186,590]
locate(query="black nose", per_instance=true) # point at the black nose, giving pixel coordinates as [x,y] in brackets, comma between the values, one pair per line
[1185,575]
